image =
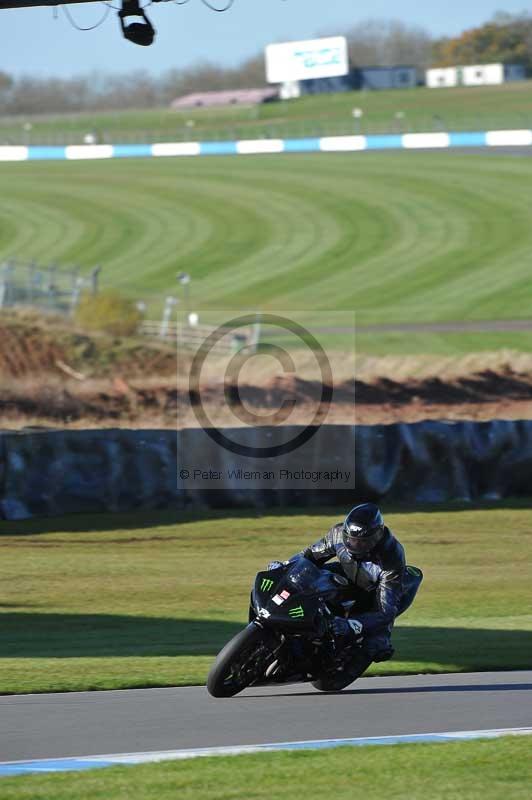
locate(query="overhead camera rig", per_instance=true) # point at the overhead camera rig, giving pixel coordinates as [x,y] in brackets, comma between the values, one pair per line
[135,25]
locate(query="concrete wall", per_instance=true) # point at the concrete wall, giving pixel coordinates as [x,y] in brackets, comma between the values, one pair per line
[57,472]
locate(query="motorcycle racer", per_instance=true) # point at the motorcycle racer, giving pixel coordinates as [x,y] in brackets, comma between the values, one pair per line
[373,561]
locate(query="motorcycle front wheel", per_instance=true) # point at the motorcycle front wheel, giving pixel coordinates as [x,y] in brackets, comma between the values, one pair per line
[242,661]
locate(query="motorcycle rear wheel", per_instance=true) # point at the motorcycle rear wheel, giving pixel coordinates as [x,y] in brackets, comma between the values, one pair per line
[335,682]
[242,661]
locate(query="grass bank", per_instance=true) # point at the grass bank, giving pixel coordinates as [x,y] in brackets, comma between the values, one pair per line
[115,601]
[422,109]
[394,236]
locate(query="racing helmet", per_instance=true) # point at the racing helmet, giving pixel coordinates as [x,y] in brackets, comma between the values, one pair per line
[363,529]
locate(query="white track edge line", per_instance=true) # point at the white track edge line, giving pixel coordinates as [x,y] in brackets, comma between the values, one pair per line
[160,755]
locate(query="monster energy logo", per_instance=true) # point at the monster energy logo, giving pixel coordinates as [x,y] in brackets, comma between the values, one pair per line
[266,584]
[297,612]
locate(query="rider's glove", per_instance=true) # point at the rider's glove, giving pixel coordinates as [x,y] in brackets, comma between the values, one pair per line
[275,565]
[350,629]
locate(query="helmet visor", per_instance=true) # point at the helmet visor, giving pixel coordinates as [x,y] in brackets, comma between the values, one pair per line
[360,545]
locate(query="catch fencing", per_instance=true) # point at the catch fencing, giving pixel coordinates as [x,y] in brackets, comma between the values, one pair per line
[45,287]
[47,131]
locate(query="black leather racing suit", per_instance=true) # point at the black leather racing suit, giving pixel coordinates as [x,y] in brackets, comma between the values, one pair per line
[383,587]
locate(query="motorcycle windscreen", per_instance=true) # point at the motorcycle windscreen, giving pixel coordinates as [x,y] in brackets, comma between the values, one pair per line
[303,576]
[297,577]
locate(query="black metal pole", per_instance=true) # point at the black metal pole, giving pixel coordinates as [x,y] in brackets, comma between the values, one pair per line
[33,3]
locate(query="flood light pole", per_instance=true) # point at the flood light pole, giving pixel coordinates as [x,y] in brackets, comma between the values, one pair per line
[184,280]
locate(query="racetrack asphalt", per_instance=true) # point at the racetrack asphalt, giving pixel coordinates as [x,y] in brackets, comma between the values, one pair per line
[93,723]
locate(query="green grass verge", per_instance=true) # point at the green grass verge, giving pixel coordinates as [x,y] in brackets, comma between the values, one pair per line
[489,769]
[114,601]
[474,108]
[397,237]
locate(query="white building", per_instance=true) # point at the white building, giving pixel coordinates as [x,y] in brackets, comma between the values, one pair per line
[474,75]
[442,77]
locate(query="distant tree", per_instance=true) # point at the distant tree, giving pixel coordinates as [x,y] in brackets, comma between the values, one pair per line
[252,72]
[506,39]
[386,43]
[136,89]
[209,77]
[6,86]
[6,81]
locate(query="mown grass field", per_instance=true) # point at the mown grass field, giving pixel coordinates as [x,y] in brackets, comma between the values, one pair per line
[492,770]
[473,108]
[397,237]
[115,601]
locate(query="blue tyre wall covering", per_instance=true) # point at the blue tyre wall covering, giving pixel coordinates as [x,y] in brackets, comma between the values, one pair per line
[46,473]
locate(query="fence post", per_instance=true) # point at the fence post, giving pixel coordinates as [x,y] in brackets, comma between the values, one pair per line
[74,276]
[3,284]
[255,334]
[167,313]
[74,298]
[38,283]
[31,278]
[95,275]
[9,267]
[52,289]
[76,286]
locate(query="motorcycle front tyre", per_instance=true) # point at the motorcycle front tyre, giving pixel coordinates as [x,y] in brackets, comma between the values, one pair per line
[239,647]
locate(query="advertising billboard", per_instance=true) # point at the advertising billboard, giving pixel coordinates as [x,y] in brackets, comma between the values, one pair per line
[300,61]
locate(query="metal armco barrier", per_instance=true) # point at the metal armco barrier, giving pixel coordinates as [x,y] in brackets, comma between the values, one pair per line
[58,472]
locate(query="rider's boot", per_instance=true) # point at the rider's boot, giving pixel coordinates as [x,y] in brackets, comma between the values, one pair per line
[379,647]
